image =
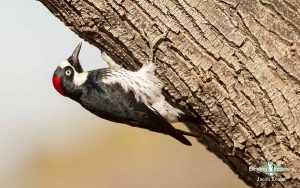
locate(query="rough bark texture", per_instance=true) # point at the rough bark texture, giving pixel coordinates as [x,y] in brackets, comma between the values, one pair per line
[234,63]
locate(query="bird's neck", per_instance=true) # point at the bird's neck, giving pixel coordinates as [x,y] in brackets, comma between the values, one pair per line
[76,87]
[80,78]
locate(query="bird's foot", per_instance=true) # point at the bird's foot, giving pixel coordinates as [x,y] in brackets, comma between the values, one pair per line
[111,64]
[154,43]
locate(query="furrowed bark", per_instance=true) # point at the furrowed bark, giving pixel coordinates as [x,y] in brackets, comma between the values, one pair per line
[234,64]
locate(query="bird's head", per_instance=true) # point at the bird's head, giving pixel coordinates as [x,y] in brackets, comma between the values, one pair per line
[69,74]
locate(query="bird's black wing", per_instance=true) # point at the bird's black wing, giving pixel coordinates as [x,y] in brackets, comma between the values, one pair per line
[123,107]
[149,118]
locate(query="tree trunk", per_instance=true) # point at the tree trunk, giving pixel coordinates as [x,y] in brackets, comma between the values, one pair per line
[233,63]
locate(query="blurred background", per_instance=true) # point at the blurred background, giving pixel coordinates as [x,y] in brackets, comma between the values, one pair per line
[47,140]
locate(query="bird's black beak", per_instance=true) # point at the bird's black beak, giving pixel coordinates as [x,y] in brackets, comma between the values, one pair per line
[74,60]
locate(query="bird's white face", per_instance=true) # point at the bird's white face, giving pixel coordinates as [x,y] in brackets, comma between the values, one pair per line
[63,77]
[69,74]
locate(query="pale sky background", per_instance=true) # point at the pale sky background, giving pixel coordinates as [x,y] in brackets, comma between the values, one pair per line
[38,126]
[33,44]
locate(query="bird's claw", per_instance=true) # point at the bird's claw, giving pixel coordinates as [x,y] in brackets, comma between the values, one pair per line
[111,64]
[154,43]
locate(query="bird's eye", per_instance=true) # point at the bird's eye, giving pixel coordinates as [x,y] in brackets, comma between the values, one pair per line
[68,72]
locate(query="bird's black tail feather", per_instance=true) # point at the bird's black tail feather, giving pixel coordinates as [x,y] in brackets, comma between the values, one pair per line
[187,133]
[178,136]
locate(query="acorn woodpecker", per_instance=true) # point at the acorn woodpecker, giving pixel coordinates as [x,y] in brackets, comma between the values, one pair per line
[120,95]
